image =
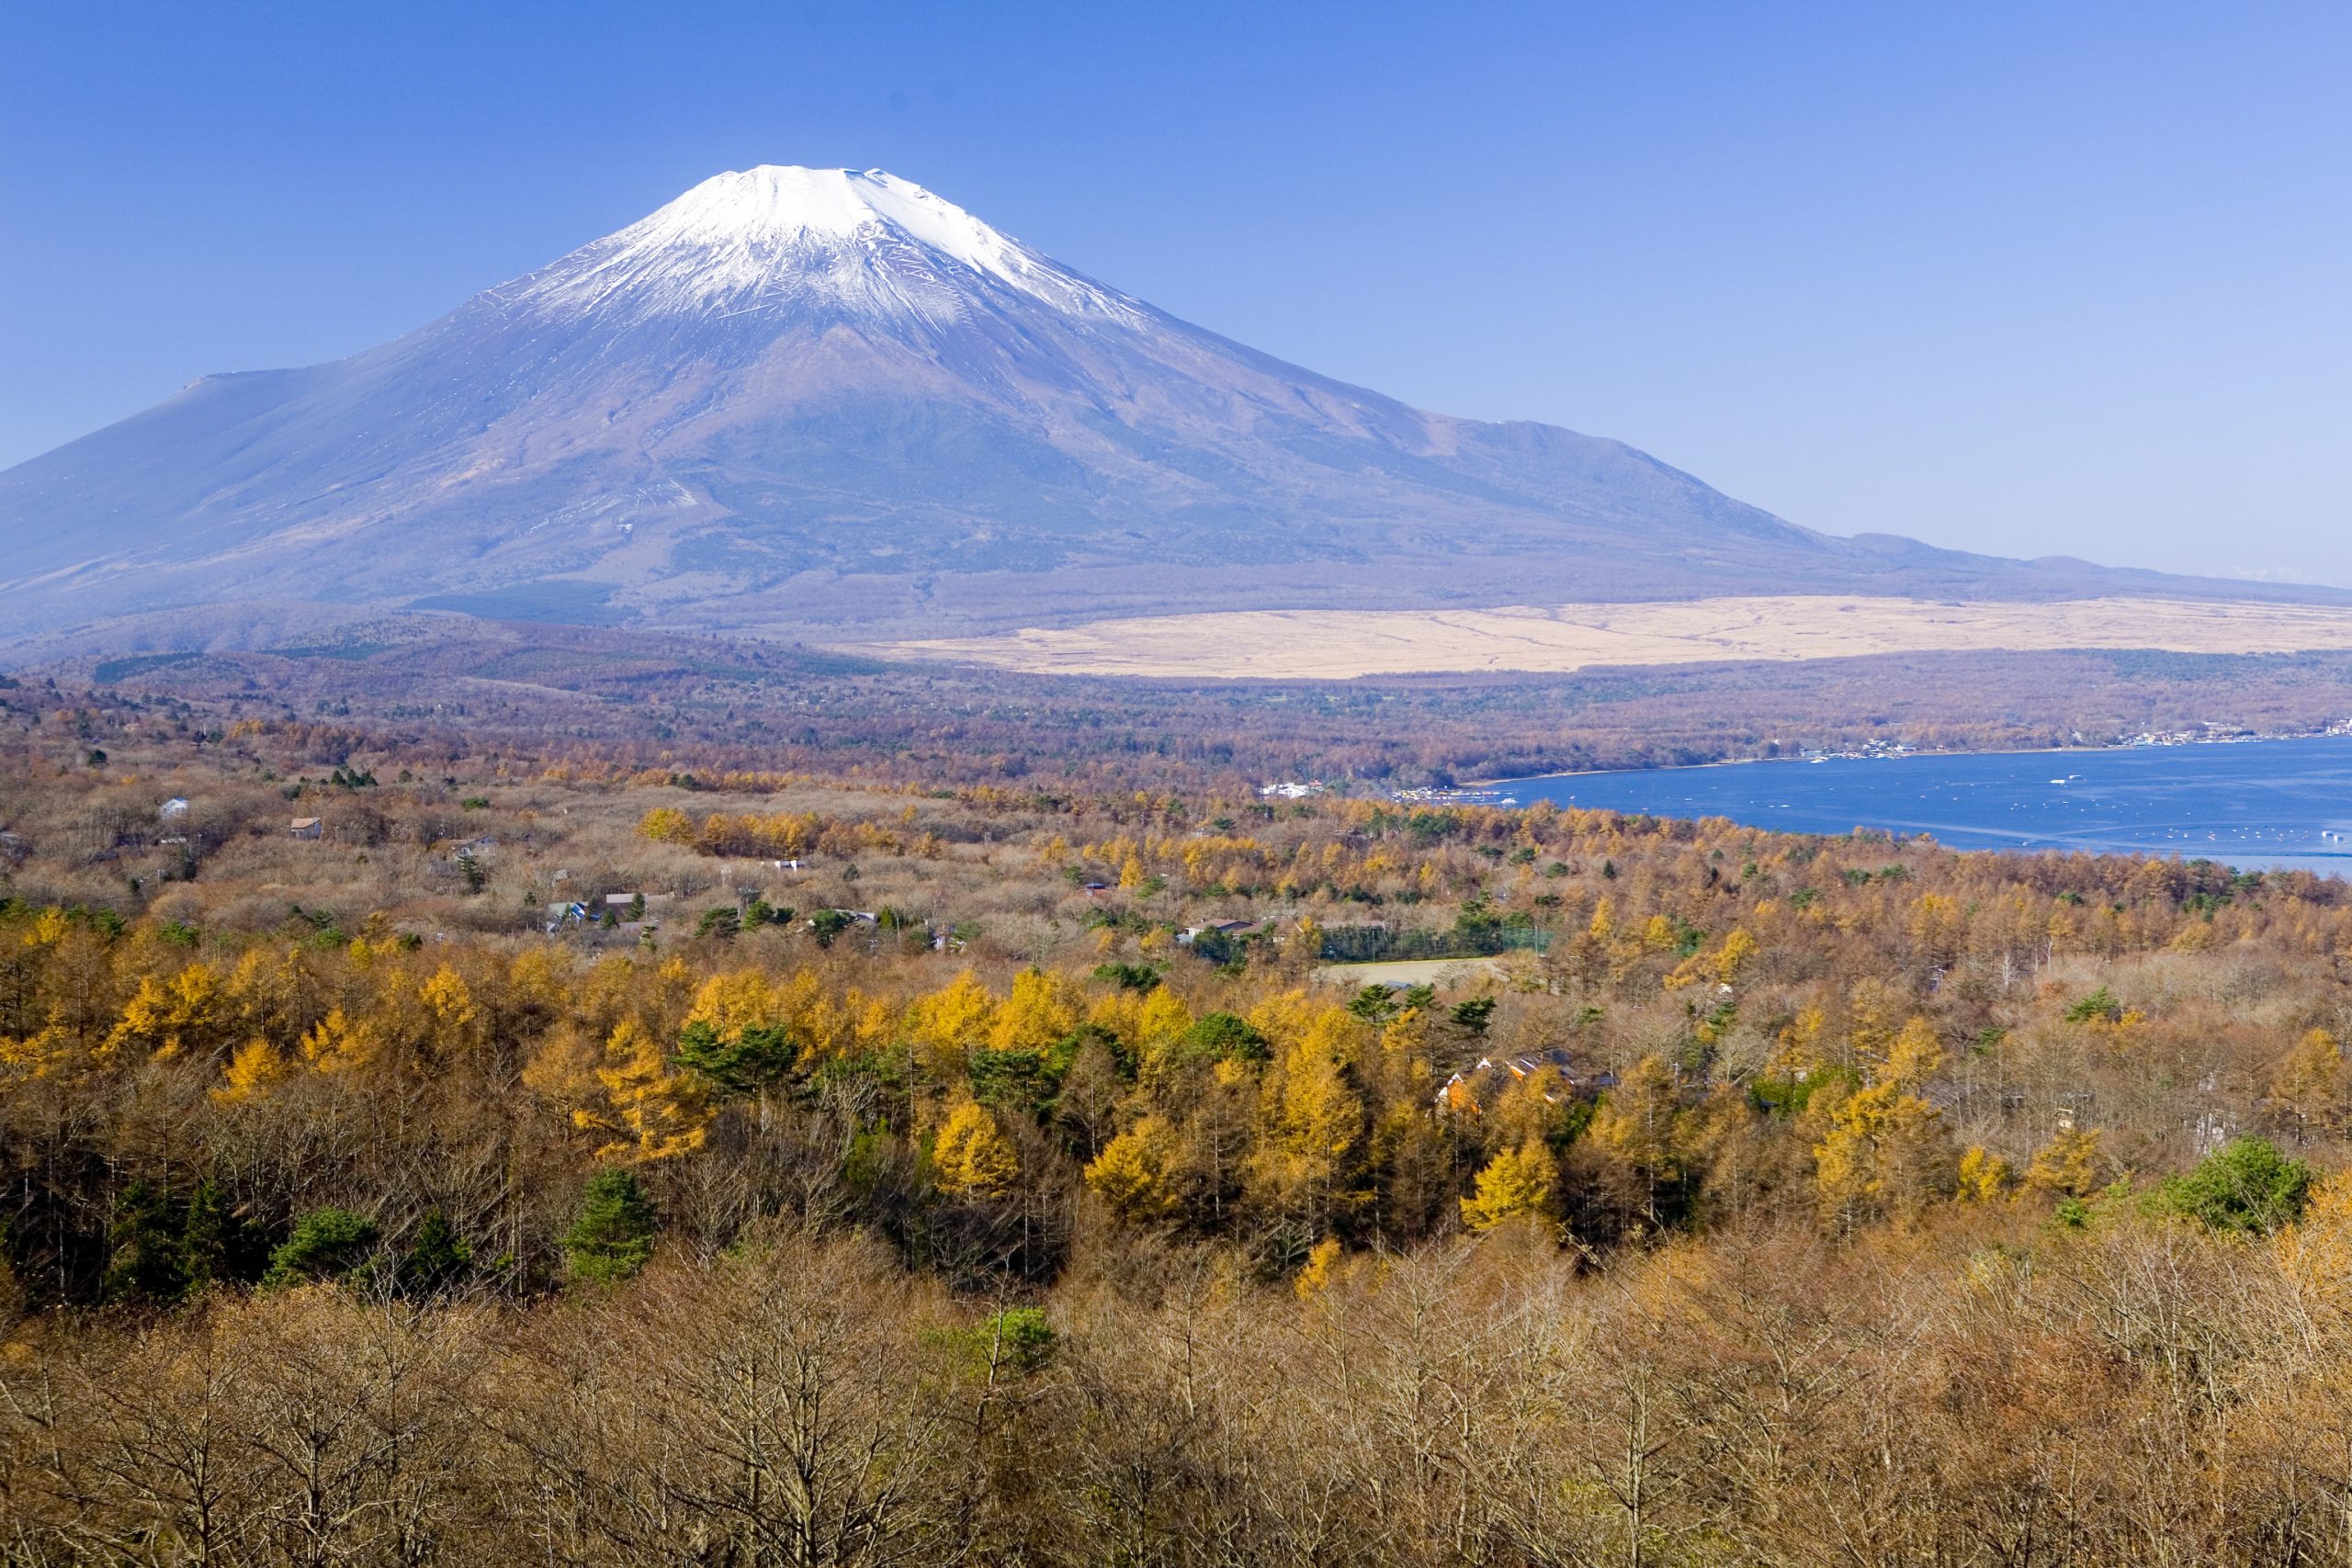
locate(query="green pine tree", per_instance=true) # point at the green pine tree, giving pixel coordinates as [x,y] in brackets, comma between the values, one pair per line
[2245,1186]
[437,1259]
[326,1243]
[760,1056]
[144,1260]
[612,1239]
[216,1245]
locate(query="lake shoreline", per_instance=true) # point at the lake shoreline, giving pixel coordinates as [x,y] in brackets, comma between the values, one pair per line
[2331,732]
[2276,803]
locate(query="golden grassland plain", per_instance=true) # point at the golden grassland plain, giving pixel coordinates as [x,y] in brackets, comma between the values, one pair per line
[1346,644]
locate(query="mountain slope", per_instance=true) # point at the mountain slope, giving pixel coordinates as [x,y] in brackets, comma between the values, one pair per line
[799,398]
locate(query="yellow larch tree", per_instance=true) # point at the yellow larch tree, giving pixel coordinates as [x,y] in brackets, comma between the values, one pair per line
[1528,1108]
[1160,1022]
[456,1025]
[1884,1149]
[270,993]
[1916,1056]
[828,1026]
[2310,1081]
[666,825]
[1311,1121]
[168,1017]
[2067,1166]
[1406,1037]
[1983,1175]
[255,1065]
[563,1068]
[1937,928]
[1041,1011]
[1337,1036]
[1871,1010]
[339,1043]
[1395,1070]
[869,1025]
[1801,1049]
[43,1054]
[737,999]
[540,979]
[1285,1017]
[1314,1274]
[2315,1254]
[366,951]
[1634,1123]
[1117,1012]
[972,1157]
[652,1111]
[948,1023]
[1518,1184]
[1137,1173]
[1732,958]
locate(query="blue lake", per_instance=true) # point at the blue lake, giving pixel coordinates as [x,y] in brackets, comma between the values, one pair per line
[2255,804]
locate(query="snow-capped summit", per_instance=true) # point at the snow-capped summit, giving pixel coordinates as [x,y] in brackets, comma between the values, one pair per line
[779,238]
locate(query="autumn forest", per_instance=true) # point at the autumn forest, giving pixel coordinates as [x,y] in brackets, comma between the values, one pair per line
[423,1148]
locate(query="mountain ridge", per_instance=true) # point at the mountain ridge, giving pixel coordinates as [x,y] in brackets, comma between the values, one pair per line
[798,399]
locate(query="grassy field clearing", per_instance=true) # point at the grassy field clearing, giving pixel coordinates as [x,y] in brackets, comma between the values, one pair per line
[1340,645]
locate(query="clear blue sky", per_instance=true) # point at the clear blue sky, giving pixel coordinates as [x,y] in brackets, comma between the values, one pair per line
[2028,279]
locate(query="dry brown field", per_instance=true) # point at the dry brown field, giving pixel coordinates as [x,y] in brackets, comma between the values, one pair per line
[1348,644]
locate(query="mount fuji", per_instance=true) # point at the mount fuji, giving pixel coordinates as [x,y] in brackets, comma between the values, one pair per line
[801,400]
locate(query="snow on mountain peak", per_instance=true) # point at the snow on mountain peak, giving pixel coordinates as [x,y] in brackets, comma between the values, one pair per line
[780,236]
[777,201]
